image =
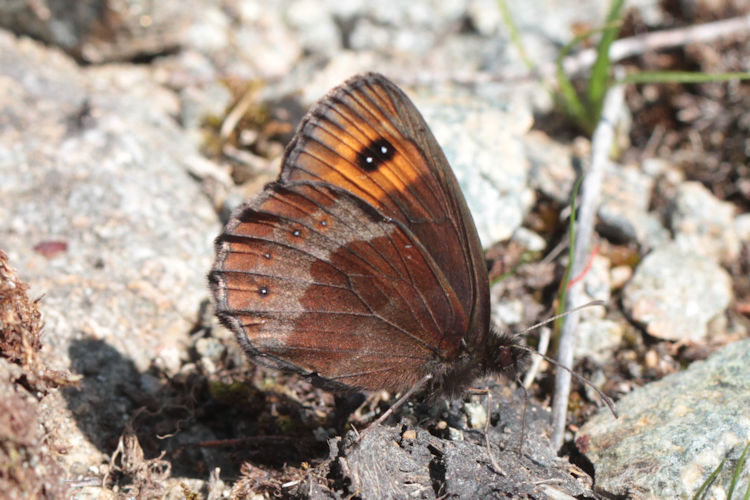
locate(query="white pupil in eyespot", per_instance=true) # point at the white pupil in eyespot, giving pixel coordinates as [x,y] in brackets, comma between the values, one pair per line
[368,159]
[383,149]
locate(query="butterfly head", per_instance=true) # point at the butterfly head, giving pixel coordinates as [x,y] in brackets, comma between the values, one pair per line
[505,355]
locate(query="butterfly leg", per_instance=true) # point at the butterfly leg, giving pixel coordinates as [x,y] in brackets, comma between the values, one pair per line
[399,402]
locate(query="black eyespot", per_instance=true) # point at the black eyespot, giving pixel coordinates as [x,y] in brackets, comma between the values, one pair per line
[263,291]
[267,255]
[375,154]
[323,223]
[296,233]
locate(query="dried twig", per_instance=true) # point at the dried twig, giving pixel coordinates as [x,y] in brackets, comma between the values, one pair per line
[658,40]
[536,361]
[620,49]
[237,112]
[600,148]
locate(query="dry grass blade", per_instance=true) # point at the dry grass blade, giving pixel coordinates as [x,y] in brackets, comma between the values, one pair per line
[600,148]
[619,50]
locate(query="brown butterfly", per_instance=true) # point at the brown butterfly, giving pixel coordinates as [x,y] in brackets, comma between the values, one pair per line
[360,267]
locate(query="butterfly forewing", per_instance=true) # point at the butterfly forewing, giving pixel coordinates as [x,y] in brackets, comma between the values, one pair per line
[407,177]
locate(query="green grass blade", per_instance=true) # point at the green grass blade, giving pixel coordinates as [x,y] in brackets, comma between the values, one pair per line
[569,102]
[515,36]
[599,80]
[567,98]
[736,475]
[563,293]
[682,77]
[709,481]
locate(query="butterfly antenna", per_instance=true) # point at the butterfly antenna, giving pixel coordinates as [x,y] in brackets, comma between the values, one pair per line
[556,316]
[607,400]
[578,377]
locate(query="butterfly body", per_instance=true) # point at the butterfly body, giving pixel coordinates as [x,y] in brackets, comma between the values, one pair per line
[360,267]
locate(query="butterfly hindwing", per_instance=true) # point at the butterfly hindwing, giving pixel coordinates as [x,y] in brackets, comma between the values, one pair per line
[318,282]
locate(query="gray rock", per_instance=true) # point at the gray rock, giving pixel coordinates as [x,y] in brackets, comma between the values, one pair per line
[596,336]
[275,47]
[596,282]
[316,28]
[411,29]
[184,69]
[93,159]
[443,40]
[620,275]
[530,240]
[476,415]
[481,140]
[552,21]
[626,194]
[485,16]
[310,88]
[704,224]
[200,102]
[209,32]
[100,30]
[742,227]
[598,339]
[211,351]
[670,176]
[432,15]
[676,294]
[552,170]
[505,312]
[673,433]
